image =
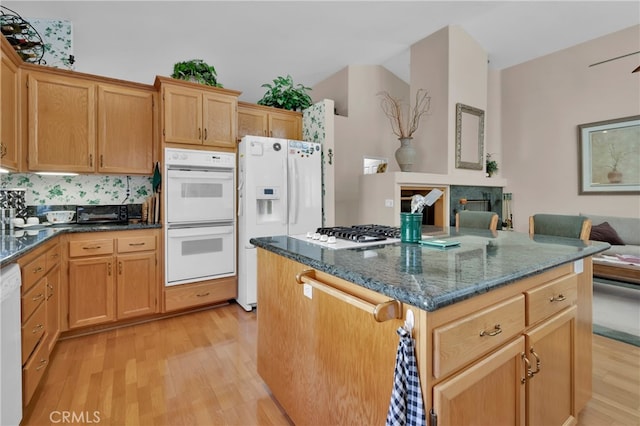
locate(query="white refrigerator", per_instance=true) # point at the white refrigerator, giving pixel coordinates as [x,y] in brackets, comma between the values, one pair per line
[279,193]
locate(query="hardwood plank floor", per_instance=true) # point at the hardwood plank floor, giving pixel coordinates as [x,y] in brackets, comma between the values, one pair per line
[200,369]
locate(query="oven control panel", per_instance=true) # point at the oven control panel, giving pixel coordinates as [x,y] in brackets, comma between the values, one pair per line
[199,158]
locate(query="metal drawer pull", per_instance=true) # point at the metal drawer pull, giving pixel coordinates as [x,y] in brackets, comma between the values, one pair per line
[43,362]
[203,294]
[496,330]
[37,297]
[388,310]
[559,298]
[91,247]
[205,133]
[38,269]
[537,362]
[136,244]
[37,328]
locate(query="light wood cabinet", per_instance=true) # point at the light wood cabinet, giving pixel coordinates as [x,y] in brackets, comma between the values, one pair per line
[196,114]
[509,356]
[112,276]
[40,270]
[80,124]
[339,359]
[10,122]
[258,120]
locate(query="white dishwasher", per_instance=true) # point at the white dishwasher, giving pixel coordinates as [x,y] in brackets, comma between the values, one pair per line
[10,349]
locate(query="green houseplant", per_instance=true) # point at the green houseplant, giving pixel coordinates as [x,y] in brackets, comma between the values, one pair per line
[196,70]
[284,94]
[492,165]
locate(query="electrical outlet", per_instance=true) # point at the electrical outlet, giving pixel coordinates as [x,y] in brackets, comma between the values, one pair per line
[388,203]
[307,290]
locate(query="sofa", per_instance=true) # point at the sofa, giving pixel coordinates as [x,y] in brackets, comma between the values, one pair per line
[621,261]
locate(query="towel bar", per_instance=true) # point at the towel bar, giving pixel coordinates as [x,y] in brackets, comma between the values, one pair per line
[391,309]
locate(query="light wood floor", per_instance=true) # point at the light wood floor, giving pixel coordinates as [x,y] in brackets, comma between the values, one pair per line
[200,369]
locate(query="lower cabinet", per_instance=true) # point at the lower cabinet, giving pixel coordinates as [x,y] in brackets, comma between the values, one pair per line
[112,276]
[506,357]
[40,304]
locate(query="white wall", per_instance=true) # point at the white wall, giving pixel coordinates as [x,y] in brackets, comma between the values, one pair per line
[543,102]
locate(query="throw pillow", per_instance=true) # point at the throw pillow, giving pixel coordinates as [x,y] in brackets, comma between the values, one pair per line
[604,232]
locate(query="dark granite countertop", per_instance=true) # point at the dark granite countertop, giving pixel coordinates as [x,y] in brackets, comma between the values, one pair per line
[22,241]
[431,278]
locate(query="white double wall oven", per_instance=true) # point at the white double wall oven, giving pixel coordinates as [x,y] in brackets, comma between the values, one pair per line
[199,219]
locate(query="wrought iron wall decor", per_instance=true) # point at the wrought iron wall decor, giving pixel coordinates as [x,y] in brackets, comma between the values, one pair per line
[24,38]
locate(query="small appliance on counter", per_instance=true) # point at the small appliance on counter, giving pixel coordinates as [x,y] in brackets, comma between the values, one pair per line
[102,214]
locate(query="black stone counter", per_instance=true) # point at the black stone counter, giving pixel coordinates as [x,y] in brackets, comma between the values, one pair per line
[22,241]
[431,278]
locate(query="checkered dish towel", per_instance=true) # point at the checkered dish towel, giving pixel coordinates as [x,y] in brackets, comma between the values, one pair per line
[406,406]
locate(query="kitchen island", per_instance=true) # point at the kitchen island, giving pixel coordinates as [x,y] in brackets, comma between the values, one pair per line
[502,327]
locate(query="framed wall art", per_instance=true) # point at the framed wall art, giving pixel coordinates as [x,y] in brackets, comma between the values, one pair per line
[609,156]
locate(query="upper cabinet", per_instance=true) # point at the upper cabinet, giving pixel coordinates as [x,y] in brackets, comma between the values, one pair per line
[258,120]
[10,122]
[86,125]
[197,114]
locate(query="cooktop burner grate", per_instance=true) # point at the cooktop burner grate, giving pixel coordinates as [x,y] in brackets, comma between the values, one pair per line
[361,233]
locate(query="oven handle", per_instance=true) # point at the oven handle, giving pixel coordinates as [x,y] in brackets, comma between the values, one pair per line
[198,174]
[199,231]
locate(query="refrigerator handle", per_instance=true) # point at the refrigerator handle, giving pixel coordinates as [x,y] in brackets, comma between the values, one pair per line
[285,197]
[293,188]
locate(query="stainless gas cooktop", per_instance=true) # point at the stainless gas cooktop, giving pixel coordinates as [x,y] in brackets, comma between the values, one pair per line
[357,236]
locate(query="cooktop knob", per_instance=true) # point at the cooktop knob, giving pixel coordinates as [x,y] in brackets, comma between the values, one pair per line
[331,240]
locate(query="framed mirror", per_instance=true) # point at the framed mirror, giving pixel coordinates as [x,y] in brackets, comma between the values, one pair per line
[469,137]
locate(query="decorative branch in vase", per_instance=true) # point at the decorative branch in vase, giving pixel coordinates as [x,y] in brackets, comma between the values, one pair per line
[404,121]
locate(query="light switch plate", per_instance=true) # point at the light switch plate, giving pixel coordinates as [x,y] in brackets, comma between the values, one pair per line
[388,203]
[578,266]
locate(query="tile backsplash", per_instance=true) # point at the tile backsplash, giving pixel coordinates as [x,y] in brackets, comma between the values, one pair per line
[78,190]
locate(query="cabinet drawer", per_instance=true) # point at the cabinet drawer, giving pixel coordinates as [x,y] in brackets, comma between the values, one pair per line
[189,295]
[90,247]
[32,331]
[550,298]
[462,341]
[33,271]
[33,371]
[53,257]
[33,298]
[133,244]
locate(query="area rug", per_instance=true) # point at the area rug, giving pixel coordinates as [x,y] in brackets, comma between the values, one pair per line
[616,307]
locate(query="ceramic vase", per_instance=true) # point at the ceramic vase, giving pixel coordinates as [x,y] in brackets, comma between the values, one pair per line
[614,176]
[405,155]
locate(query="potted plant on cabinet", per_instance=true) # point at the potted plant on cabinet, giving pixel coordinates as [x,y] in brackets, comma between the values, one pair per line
[284,94]
[196,70]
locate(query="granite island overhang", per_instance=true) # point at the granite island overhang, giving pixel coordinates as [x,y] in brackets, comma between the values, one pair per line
[431,278]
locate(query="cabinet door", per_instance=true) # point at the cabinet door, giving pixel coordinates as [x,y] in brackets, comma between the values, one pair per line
[9,138]
[53,307]
[285,126]
[62,123]
[251,122]
[219,116]
[125,130]
[137,286]
[549,390]
[182,115]
[91,291]
[499,377]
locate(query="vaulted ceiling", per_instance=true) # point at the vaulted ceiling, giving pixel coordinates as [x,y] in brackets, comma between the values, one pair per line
[250,43]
